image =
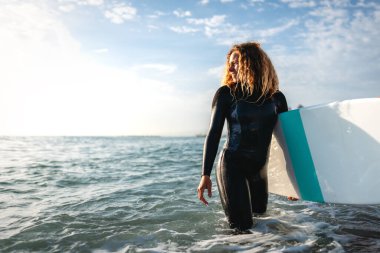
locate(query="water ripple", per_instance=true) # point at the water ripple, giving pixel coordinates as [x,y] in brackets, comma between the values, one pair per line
[138,194]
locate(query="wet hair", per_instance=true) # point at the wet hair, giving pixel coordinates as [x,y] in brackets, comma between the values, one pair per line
[256,74]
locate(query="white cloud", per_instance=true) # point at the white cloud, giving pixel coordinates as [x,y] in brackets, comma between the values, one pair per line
[337,57]
[275,30]
[329,14]
[157,14]
[49,86]
[183,29]
[162,68]
[216,72]
[364,4]
[226,1]
[214,21]
[225,34]
[120,13]
[91,2]
[299,3]
[215,27]
[153,27]
[101,50]
[204,2]
[232,34]
[67,7]
[211,31]
[29,32]
[70,5]
[181,14]
[253,3]
[336,3]
[211,26]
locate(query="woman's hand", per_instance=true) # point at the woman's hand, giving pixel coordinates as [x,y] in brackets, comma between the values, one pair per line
[204,184]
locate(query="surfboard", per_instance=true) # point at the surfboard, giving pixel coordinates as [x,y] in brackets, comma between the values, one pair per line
[328,153]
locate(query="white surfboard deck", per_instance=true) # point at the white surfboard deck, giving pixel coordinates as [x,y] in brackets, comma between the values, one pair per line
[328,153]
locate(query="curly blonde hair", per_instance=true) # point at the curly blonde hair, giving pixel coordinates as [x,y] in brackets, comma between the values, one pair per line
[256,73]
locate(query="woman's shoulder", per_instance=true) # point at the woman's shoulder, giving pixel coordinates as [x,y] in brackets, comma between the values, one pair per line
[280,101]
[278,94]
[222,94]
[224,91]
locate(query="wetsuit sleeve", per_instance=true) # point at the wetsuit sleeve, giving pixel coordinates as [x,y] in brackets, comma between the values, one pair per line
[281,104]
[218,115]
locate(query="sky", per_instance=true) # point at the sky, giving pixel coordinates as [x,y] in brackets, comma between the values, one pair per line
[151,67]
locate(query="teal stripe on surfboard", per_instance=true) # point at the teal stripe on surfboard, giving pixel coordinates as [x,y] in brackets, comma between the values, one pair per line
[299,152]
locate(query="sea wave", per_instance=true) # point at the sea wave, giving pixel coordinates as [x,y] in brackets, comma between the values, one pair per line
[138,194]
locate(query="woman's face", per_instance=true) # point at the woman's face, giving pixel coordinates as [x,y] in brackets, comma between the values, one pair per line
[234,65]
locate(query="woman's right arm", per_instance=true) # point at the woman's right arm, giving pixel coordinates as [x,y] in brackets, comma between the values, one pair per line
[218,115]
[210,149]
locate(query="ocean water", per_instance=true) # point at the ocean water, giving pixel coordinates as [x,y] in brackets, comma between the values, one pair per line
[138,194]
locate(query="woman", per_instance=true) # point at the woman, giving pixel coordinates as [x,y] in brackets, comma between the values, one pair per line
[250,101]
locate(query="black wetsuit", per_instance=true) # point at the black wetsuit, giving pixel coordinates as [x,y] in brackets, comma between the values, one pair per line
[241,172]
